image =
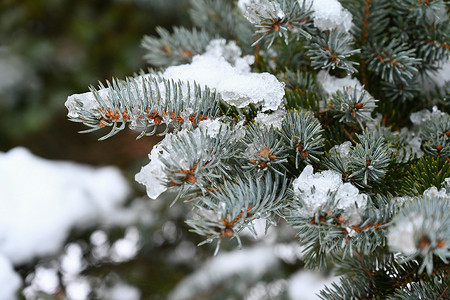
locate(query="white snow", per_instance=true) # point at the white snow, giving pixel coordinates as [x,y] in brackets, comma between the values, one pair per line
[315,190]
[220,68]
[401,236]
[424,115]
[152,175]
[78,289]
[274,119]
[306,284]
[126,248]
[43,200]
[439,79]
[248,263]
[433,192]
[405,232]
[10,281]
[331,84]
[329,14]
[236,84]
[211,127]
[342,151]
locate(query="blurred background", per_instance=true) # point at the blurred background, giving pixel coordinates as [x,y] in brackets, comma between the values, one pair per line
[113,242]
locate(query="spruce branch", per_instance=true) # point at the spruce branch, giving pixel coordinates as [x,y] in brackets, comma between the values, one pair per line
[380,276]
[401,91]
[369,159]
[302,132]
[302,91]
[223,19]
[196,158]
[143,102]
[264,150]
[233,205]
[353,105]
[425,13]
[422,228]
[371,18]
[332,49]
[176,48]
[429,171]
[279,18]
[435,134]
[392,61]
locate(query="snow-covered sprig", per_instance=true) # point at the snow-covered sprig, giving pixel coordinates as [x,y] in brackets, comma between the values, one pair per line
[332,49]
[190,160]
[233,205]
[317,195]
[176,48]
[278,18]
[302,132]
[369,159]
[337,159]
[263,150]
[435,134]
[353,105]
[143,102]
[422,228]
[326,212]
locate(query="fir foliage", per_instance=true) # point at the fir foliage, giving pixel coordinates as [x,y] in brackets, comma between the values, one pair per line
[176,48]
[355,158]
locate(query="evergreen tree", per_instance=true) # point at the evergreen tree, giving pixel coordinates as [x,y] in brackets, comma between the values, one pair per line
[332,116]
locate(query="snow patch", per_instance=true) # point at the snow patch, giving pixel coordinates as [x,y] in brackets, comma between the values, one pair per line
[315,190]
[274,119]
[247,263]
[10,281]
[42,200]
[306,284]
[332,84]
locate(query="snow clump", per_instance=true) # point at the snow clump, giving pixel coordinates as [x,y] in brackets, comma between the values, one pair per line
[236,84]
[153,175]
[274,119]
[329,14]
[419,229]
[315,190]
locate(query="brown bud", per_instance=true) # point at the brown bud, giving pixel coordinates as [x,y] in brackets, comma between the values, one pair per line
[191,178]
[358,105]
